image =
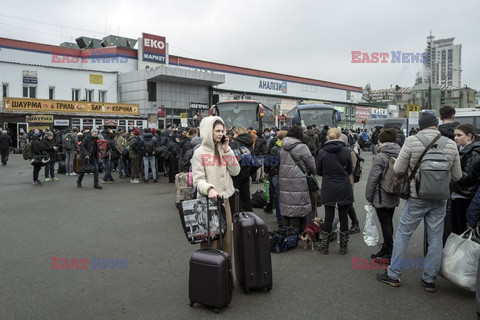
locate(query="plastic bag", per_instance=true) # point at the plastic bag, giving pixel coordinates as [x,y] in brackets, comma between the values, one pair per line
[370,231]
[460,260]
[266,190]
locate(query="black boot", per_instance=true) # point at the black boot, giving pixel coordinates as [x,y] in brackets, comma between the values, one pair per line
[388,254]
[355,228]
[380,253]
[343,242]
[324,242]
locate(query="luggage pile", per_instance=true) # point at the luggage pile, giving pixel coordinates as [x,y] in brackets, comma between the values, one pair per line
[210,276]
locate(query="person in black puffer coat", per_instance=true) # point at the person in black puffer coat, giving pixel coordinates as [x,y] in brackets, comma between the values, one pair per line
[37,152]
[50,146]
[464,189]
[184,144]
[334,164]
[5,143]
[242,140]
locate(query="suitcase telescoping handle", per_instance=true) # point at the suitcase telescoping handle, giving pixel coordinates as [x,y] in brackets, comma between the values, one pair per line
[219,205]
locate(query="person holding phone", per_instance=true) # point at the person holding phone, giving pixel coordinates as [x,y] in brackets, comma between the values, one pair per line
[213,165]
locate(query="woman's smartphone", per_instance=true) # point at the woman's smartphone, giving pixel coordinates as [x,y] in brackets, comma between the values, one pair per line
[224,138]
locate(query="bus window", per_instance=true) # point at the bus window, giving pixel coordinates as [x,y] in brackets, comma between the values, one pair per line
[239,114]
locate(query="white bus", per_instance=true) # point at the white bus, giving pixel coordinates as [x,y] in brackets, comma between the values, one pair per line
[469,115]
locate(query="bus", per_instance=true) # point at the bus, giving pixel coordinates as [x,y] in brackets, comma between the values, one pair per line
[319,114]
[389,122]
[246,113]
[469,115]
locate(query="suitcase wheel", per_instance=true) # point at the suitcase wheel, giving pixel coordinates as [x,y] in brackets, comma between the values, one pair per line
[217,310]
[192,303]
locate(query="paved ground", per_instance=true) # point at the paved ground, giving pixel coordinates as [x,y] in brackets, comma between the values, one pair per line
[140,223]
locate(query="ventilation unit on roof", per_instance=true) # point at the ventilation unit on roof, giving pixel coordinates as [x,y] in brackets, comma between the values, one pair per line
[70,45]
[88,43]
[116,41]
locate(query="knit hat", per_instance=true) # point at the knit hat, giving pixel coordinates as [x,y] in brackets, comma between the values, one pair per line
[387,135]
[49,134]
[136,132]
[153,130]
[427,120]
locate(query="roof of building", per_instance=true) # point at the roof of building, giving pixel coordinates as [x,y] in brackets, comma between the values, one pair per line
[173,61]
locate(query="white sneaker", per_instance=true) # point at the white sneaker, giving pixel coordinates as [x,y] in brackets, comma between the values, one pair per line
[73,174]
[136,181]
[132,180]
[67,174]
[47,179]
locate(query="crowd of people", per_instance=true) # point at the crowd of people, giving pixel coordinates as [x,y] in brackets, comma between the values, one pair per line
[289,156]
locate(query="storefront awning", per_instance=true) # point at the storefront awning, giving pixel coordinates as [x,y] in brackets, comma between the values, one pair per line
[184,76]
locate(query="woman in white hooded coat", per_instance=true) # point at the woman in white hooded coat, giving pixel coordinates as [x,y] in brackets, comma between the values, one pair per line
[212,176]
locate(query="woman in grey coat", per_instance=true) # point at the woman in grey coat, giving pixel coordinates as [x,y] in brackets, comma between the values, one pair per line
[383,202]
[294,194]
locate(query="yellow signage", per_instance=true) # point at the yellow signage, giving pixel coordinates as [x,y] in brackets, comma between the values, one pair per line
[183,115]
[413,110]
[39,118]
[59,106]
[96,78]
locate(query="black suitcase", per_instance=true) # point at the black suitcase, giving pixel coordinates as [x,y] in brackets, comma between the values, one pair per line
[61,168]
[210,277]
[253,263]
[251,240]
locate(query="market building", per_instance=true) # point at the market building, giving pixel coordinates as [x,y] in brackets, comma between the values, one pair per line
[107,83]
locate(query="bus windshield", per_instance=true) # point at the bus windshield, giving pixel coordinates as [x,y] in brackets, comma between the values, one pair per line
[239,114]
[319,117]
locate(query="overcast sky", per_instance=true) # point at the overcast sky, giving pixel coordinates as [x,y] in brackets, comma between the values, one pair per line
[303,38]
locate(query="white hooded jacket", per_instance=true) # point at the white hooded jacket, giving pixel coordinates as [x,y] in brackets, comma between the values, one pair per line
[208,173]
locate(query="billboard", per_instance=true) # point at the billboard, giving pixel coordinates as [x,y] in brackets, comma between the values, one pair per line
[154,48]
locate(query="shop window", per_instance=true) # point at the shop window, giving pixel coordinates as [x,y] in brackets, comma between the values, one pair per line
[76,122]
[29,92]
[51,93]
[75,94]
[102,96]
[122,122]
[89,95]
[4,90]
[98,122]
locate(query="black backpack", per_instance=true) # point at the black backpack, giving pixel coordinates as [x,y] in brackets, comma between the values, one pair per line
[149,147]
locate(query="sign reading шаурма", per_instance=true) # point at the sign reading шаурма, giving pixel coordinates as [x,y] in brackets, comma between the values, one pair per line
[19,104]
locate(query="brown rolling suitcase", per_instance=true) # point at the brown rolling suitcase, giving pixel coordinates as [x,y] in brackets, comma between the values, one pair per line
[210,278]
[253,263]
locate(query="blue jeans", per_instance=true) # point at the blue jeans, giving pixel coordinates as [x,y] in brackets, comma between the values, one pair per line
[50,170]
[276,188]
[149,161]
[123,170]
[108,171]
[413,212]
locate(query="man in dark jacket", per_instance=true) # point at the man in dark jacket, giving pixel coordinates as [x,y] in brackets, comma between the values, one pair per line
[311,140]
[242,141]
[323,136]
[50,147]
[37,154]
[148,147]
[447,115]
[89,154]
[5,143]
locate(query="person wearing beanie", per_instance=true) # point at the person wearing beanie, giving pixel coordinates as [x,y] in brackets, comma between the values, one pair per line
[50,147]
[427,120]
[136,132]
[37,152]
[417,209]
[383,202]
